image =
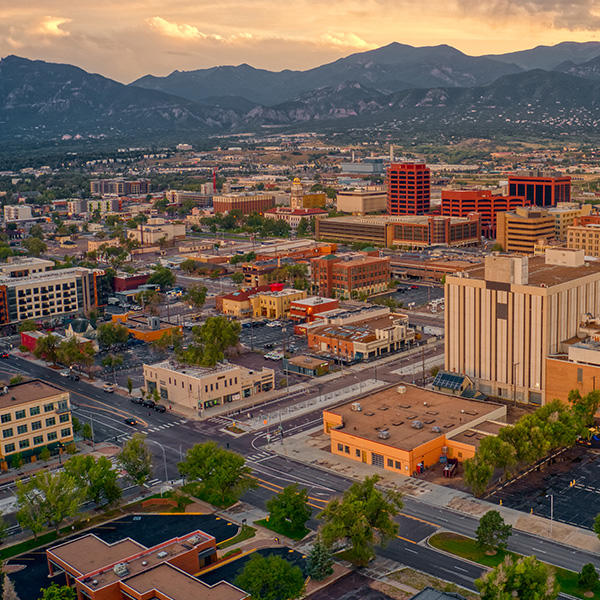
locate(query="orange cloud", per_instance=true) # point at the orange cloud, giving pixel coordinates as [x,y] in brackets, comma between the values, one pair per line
[52,26]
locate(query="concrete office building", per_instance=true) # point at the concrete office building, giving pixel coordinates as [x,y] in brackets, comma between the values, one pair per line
[408,189]
[275,304]
[181,196]
[21,266]
[17,212]
[521,230]
[197,388]
[540,189]
[244,203]
[584,234]
[155,230]
[503,320]
[363,201]
[33,414]
[565,215]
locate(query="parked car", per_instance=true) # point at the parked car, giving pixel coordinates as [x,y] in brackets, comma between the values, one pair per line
[109,387]
[137,399]
[161,408]
[5,355]
[148,403]
[267,345]
[74,377]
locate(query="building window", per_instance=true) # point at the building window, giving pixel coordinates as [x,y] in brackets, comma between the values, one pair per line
[340,447]
[6,433]
[65,432]
[398,465]
[376,460]
[24,444]
[36,425]
[50,422]
[347,449]
[390,463]
[49,407]
[20,414]
[357,452]
[8,448]
[21,429]
[5,418]
[34,410]
[52,436]
[38,439]
[64,418]
[579,375]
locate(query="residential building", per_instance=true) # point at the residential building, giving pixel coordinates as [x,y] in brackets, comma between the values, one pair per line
[198,388]
[21,266]
[540,189]
[461,203]
[566,214]
[362,340]
[155,230]
[244,203]
[77,206]
[17,212]
[408,189]
[503,320]
[180,196]
[275,304]
[145,328]
[48,294]
[348,275]
[584,234]
[408,231]
[127,570]
[33,414]
[405,429]
[104,205]
[521,230]
[293,216]
[119,187]
[362,201]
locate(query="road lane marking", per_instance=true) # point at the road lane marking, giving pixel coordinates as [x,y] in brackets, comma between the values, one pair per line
[461,569]
[418,519]
[406,539]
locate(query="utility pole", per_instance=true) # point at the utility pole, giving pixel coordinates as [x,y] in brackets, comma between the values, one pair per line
[423,363]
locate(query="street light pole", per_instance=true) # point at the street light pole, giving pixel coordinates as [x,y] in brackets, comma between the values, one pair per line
[164,459]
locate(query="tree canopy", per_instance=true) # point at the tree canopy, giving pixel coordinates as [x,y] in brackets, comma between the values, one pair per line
[492,532]
[271,578]
[163,277]
[96,477]
[136,459]
[210,342]
[289,510]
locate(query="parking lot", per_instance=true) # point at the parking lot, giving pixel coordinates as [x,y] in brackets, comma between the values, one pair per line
[265,338]
[575,504]
[418,293]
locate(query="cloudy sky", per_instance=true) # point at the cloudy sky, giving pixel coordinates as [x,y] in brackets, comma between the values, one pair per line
[125,39]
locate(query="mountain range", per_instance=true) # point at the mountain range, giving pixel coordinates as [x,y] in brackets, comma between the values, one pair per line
[549,89]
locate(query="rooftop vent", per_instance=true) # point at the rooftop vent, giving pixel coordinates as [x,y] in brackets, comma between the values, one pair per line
[144,563]
[356,407]
[194,540]
[369,414]
[162,554]
[397,423]
[401,389]
[95,582]
[436,429]
[384,434]
[121,569]
[417,425]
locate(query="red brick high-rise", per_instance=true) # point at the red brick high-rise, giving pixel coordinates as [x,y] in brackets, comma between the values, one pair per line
[540,190]
[408,189]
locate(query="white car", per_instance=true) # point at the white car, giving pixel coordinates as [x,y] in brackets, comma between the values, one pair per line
[65,373]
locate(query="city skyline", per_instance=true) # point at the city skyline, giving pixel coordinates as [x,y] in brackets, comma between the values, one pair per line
[129,39]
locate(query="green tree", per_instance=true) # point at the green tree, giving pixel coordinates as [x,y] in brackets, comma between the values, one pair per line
[86,431]
[195,296]
[237,278]
[47,348]
[28,325]
[588,577]
[303,227]
[210,342]
[223,474]
[129,385]
[492,532]
[271,578]
[189,265]
[363,517]
[289,510]
[73,352]
[477,474]
[163,277]
[56,592]
[36,231]
[15,380]
[136,459]
[525,578]
[320,561]
[112,335]
[113,361]
[34,246]
[150,299]
[96,477]
[44,454]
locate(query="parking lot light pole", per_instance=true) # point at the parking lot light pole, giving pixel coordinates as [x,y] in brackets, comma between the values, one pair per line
[551,495]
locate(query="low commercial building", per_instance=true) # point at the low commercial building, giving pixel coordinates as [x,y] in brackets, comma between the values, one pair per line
[293,216]
[306,365]
[430,269]
[362,201]
[352,274]
[128,570]
[155,230]
[22,266]
[129,281]
[198,388]
[244,203]
[145,328]
[521,230]
[33,415]
[404,428]
[238,304]
[307,309]
[361,340]
[276,304]
[406,231]
[17,212]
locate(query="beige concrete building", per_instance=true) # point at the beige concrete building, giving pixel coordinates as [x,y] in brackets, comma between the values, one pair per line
[104,205]
[564,214]
[362,201]
[586,237]
[155,230]
[504,319]
[95,244]
[198,388]
[520,230]
[275,305]
[17,212]
[33,414]
[21,266]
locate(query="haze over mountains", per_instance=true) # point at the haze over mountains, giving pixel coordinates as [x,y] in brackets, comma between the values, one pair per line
[550,90]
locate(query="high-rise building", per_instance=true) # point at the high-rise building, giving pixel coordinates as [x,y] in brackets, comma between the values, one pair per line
[504,319]
[540,189]
[119,187]
[520,230]
[408,189]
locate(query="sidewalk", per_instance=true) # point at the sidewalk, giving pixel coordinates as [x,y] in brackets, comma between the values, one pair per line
[307,447]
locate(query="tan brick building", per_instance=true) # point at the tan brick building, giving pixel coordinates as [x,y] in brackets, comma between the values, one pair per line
[521,229]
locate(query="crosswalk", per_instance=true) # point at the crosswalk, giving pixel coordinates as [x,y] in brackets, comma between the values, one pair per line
[219,421]
[259,457]
[127,436]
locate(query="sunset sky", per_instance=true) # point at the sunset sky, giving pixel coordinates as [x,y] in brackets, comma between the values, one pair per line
[125,39]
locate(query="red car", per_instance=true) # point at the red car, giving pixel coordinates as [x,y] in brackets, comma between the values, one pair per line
[5,355]
[414,287]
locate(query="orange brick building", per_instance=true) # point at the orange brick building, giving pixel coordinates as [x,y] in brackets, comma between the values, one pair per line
[244,203]
[408,189]
[540,190]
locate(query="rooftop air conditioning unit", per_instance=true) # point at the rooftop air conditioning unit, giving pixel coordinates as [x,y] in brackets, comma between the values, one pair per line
[121,569]
[194,540]
[356,407]
[401,389]
[436,429]
[383,434]
[417,425]
[162,554]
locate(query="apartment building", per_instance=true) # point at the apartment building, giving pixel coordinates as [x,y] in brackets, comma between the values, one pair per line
[275,304]
[348,275]
[540,189]
[521,230]
[198,388]
[155,230]
[22,266]
[201,199]
[33,415]
[49,294]
[77,206]
[362,201]
[566,214]
[408,189]
[104,205]
[244,203]
[17,212]
[503,320]
[584,234]
[119,187]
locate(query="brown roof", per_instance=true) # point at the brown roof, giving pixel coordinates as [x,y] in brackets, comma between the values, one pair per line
[389,409]
[360,331]
[307,361]
[28,391]
[177,585]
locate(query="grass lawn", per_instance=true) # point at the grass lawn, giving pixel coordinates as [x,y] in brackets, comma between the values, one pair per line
[418,581]
[245,533]
[467,548]
[294,534]
[197,490]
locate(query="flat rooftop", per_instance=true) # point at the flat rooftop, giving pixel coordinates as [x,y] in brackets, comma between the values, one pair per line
[308,362]
[314,300]
[28,391]
[439,414]
[361,331]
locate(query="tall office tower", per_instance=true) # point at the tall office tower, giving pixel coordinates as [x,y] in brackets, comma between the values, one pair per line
[539,189]
[408,189]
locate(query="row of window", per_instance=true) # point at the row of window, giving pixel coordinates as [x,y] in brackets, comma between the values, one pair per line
[33,411]
[35,426]
[37,440]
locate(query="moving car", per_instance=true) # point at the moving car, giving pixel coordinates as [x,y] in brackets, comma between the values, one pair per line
[109,387]
[65,373]
[161,408]
[4,355]
[131,422]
